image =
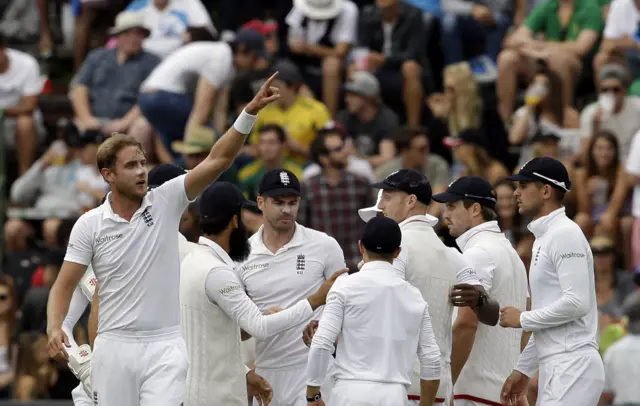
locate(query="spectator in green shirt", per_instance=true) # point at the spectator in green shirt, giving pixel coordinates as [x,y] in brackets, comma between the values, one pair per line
[271,143]
[562,32]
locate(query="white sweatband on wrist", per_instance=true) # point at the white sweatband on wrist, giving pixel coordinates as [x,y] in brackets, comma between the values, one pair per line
[244,123]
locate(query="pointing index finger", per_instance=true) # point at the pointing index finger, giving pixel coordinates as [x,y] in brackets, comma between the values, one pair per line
[267,84]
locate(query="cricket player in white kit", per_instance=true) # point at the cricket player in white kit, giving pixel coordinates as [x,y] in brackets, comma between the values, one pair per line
[443,276]
[483,356]
[131,240]
[214,303]
[564,314]
[288,262]
[381,322]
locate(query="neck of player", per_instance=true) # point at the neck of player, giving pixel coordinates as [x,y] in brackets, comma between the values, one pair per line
[221,239]
[124,206]
[275,239]
[546,209]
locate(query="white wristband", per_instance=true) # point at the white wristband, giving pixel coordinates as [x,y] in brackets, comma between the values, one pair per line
[244,123]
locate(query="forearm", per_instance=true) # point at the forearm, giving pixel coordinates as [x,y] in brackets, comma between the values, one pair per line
[428,392]
[19,110]
[528,361]
[518,131]
[80,102]
[132,115]
[58,303]
[463,338]
[488,314]
[320,51]
[93,319]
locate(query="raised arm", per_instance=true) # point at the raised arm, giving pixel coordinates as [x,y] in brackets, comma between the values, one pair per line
[226,149]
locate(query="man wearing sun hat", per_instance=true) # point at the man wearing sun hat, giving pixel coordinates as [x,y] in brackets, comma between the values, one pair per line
[564,313]
[469,210]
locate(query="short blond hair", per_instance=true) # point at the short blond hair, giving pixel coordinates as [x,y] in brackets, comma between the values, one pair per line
[109,149]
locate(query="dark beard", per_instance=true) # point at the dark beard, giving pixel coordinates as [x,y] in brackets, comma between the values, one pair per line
[239,247]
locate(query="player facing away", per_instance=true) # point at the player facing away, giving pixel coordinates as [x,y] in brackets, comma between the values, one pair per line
[131,240]
[381,323]
[564,314]
[443,276]
[482,356]
[213,303]
[288,263]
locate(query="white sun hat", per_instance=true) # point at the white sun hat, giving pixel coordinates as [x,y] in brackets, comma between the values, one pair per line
[368,213]
[319,9]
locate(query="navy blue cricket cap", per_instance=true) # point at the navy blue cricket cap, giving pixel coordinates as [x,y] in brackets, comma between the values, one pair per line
[381,235]
[409,181]
[252,40]
[472,188]
[279,182]
[222,199]
[546,170]
[164,173]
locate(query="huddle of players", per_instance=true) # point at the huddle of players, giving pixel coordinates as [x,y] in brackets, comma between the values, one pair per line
[140,356]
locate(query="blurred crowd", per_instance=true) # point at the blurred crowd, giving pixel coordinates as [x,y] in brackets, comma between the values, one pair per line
[448,87]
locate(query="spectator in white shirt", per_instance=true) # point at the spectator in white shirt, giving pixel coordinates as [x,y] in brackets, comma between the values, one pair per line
[483,356]
[632,169]
[379,320]
[214,302]
[622,360]
[181,93]
[168,21]
[21,85]
[619,36]
[564,313]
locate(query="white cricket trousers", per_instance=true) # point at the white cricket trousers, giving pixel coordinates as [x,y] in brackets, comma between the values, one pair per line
[290,385]
[571,379]
[139,371]
[80,397]
[360,393]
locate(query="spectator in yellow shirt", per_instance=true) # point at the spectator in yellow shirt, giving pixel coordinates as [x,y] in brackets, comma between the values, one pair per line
[300,115]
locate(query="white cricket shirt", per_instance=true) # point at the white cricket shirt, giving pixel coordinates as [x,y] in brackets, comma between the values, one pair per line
[433,268]
[622,369]
[282,279]
[564,313]
[136,262]
[184,246]
[495,349]
[381,321]
[213,304]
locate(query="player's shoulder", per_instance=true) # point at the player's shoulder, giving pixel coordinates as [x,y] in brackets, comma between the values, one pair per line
[565,230]
[319,238]
[92,217]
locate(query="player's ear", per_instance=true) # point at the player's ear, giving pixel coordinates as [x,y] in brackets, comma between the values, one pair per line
[260,201]
[235,221]
[396,253]
[361,247]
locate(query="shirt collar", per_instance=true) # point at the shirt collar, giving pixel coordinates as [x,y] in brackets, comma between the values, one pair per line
[468,238]
[296,241]
[539,226]
[108,213]
[427,219]
[378,266]
[222,254]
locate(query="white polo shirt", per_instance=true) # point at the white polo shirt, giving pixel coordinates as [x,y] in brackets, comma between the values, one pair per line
[632,167]
[344,30]
[381,322]
[495,349]
[284,278]
[181,71]
[433,268]
[564,312]
[136,262]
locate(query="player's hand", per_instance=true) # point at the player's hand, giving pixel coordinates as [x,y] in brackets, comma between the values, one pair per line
[266,95]
[514,389]
[318,403]
[58,343]
[320,297]
[464,295]
[510,317]
[272,310]
[309,331]
[259,388]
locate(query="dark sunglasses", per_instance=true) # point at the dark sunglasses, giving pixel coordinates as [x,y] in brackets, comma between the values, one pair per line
[613,89]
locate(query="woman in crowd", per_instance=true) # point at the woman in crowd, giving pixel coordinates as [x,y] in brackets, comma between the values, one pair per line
[36,374]
[603,194]
[544,109]
[509,219]
[8,347]
[471,151]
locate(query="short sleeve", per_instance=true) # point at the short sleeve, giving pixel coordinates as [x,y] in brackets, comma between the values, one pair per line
[220,69]
[537,18]
[592,19]
[632,165]
[174,194]
[483,265]
[85,76]
[198,14]
[465,272]
[613,29]
[294,22]
[345,29]
[334,257]
[32,84]
[80,247]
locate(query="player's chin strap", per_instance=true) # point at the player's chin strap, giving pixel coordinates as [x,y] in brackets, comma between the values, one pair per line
[80,365]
